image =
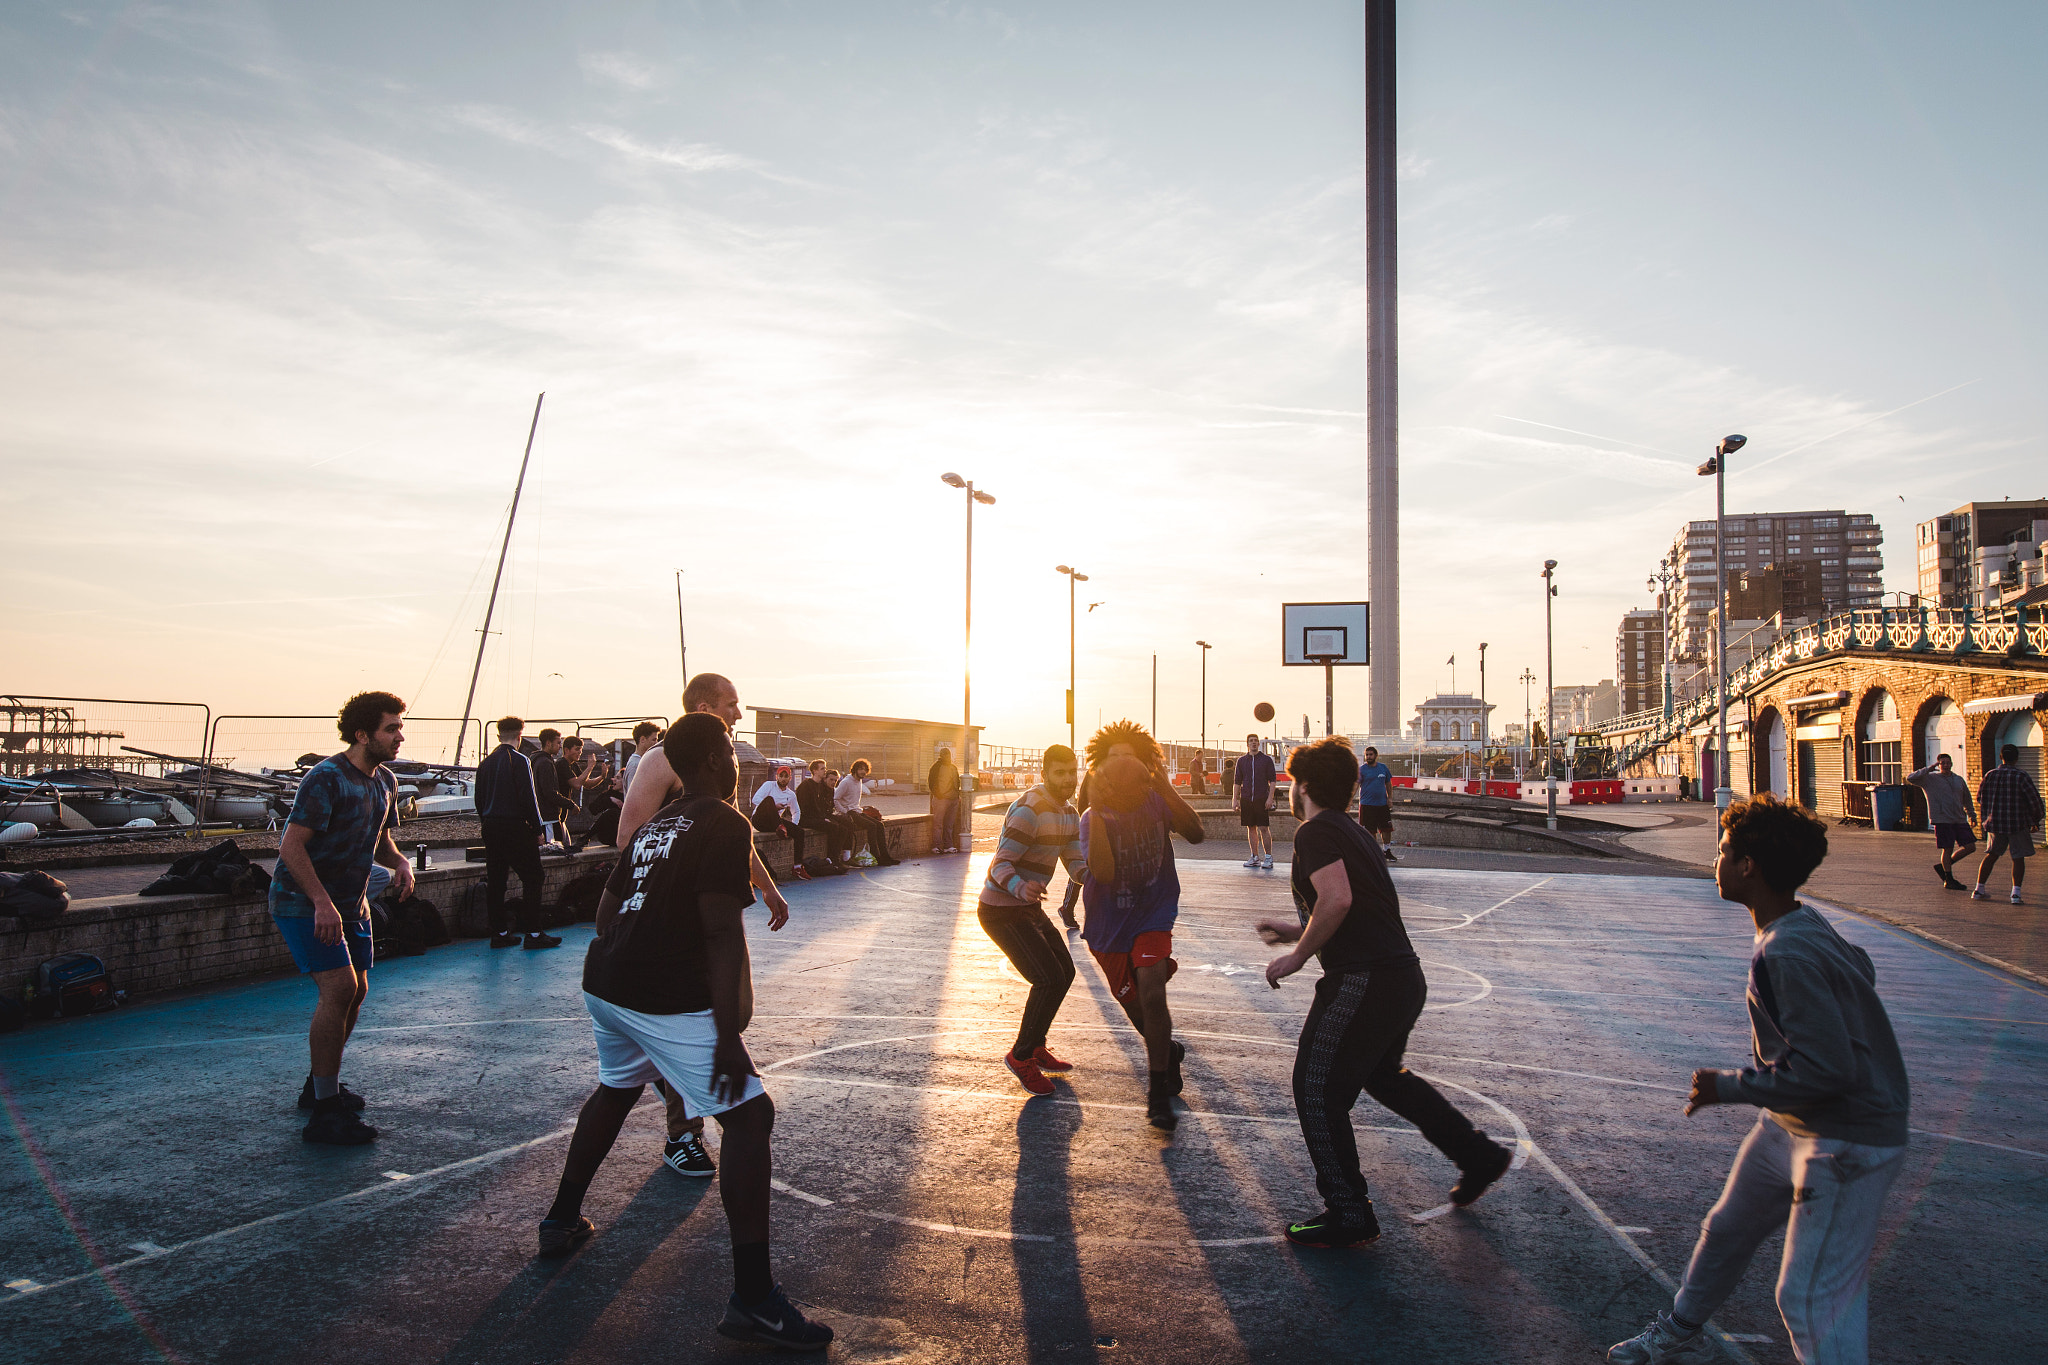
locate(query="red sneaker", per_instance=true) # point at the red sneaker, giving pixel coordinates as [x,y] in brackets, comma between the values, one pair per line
[802,874]
[1028,1072]
[1047,1062]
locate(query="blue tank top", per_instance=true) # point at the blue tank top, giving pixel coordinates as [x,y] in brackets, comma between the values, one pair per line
[1145,897]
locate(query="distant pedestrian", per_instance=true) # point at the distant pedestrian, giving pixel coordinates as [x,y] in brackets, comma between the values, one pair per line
[1951,812]
[1831,1086]
[1198,776]
[850,800]
[943,782]
[1375,811]
[337,851]
[2012,808]
[508,807]
[1367,1000]
[1251,796]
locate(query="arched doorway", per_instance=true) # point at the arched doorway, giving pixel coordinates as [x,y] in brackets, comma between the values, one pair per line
[1877,740]
[1770,746]
[1941,732]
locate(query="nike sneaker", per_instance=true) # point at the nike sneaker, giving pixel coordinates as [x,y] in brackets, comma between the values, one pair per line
[1329,1232]
[1047,1062]
[774,1322]
[1658,1343]
[1028,1074]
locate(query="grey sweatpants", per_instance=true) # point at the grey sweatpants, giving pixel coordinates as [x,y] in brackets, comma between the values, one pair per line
[1827,1195]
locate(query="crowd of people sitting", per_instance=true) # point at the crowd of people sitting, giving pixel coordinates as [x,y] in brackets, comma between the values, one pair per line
[824,804]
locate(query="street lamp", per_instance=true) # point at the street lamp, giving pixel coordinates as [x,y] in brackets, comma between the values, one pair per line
[967,768]
[1724,795]
[1667,577]
[1206,647]
[1485,728]
[1549,694]
[1526,679]
[1073,576]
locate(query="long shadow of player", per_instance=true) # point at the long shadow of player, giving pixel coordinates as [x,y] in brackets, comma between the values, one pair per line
[545,1310]
[1049,1281]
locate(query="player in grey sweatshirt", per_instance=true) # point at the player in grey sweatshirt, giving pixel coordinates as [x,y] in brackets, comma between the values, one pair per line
[1831,1087]
[1952,813]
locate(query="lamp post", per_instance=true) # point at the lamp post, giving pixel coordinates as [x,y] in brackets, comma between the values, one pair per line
[1666,578]
[1485,725]
[1204,759]
[1073,576]
[1549,696]
[1724,795]
[1527,715]
[967,767]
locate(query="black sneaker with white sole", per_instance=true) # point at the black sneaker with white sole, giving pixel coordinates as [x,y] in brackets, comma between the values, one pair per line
[505,940]
[535,941]
[334,1124]
[351,1100]
[773,1321]
[559,1239]
[685,1155]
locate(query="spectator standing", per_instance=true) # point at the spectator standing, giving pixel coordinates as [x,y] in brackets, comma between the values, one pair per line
[2011,806]
[1375,812]
[335,844]
[1251,796]
[848,800]
[508,807]
[1951,812]
[943,781]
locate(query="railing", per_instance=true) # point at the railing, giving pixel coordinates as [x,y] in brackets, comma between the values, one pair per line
[1958,631]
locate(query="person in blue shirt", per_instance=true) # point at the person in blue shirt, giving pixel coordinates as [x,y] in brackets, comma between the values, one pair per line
[1374,810]
[337,851]
[1251,797]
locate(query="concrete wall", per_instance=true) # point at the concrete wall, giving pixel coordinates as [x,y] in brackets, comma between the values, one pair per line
[161,943]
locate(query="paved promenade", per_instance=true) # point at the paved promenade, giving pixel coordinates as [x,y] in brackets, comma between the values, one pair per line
[159,1204]
[1891,877]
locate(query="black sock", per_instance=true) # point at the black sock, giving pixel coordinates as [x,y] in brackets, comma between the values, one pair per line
[751,1281]
[568,1206]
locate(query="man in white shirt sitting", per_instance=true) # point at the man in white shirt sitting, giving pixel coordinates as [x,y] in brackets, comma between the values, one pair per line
[774,806]
[848,801]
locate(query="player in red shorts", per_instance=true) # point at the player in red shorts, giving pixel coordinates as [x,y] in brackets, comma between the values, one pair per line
[1132,895]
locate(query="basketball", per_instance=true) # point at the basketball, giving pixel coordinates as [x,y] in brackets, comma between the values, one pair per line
[1121,785]
[1263,712]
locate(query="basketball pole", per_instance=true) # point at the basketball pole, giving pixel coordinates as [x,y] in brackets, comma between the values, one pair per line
[1329,698]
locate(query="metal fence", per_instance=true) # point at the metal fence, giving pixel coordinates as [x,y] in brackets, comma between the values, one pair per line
[45,734]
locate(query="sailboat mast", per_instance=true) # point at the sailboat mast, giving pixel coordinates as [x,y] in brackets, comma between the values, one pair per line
[484,636]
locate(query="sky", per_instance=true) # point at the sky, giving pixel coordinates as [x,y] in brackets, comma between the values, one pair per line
[279,286]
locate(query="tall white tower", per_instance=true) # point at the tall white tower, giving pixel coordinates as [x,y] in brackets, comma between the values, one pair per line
[1382,388]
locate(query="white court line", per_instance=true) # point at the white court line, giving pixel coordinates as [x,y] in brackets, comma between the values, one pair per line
[1474,918]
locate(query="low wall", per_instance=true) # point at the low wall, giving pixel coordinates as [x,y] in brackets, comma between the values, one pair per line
[1435,828]
[161,943]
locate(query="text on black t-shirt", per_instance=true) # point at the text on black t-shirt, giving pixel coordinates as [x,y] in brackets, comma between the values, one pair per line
[1372,934]
[650,958]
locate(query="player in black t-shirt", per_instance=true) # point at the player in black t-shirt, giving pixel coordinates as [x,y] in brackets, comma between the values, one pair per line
[1369,997]
[668,989]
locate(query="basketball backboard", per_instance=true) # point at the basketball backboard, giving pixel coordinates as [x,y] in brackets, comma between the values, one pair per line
[1339,633]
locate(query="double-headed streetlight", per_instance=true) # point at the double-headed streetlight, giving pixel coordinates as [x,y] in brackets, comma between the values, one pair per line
[1073,576]
[1549,694]
[1527,714]
[1666,578]
[1206,647]
[974,495]
[1724,795]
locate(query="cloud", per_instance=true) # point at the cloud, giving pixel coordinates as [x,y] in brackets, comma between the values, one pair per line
[620,69]
[687,156]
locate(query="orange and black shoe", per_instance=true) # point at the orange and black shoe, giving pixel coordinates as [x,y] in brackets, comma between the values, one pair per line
[1027,1072]
[1047,1062]
[1328,1232]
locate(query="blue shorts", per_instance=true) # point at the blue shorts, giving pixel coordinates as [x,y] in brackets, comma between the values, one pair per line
[314,956]
[1953,836]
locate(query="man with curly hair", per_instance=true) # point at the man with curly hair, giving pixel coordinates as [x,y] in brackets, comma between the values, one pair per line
[336,853]
[1831,1089]
[1131,893]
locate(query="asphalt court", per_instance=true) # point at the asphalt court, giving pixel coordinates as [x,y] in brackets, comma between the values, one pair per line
[161,1206]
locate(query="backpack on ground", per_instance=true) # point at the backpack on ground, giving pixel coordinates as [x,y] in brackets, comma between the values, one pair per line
[823,867]
[392,932]
[33,897]
[426,916]
[74,984]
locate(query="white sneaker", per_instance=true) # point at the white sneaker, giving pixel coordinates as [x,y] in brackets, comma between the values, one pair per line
[1267,862]
[1658,1343]
[1978,893]
[1252,861]
[2018,899]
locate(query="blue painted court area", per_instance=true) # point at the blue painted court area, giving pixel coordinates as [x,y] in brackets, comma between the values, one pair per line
[159,1204]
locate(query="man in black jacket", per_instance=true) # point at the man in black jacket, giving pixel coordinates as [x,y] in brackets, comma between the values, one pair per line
[508,806]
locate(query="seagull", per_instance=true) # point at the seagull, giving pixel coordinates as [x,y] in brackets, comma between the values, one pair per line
[1093,605]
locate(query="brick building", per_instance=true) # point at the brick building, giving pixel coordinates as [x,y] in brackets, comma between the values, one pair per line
[1639,659]
[1964,554]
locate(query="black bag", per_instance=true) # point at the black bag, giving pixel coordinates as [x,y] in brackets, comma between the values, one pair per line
[74,984]
[393,933]
[223,870]
[33,897]
[823,867]
[433,930]
[581,895]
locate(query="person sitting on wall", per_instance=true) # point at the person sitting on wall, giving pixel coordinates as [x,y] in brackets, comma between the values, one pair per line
[866,820]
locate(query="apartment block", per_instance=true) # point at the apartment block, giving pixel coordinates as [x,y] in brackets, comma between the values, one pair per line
[1840,547]
[1639,660]
[1966,555]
